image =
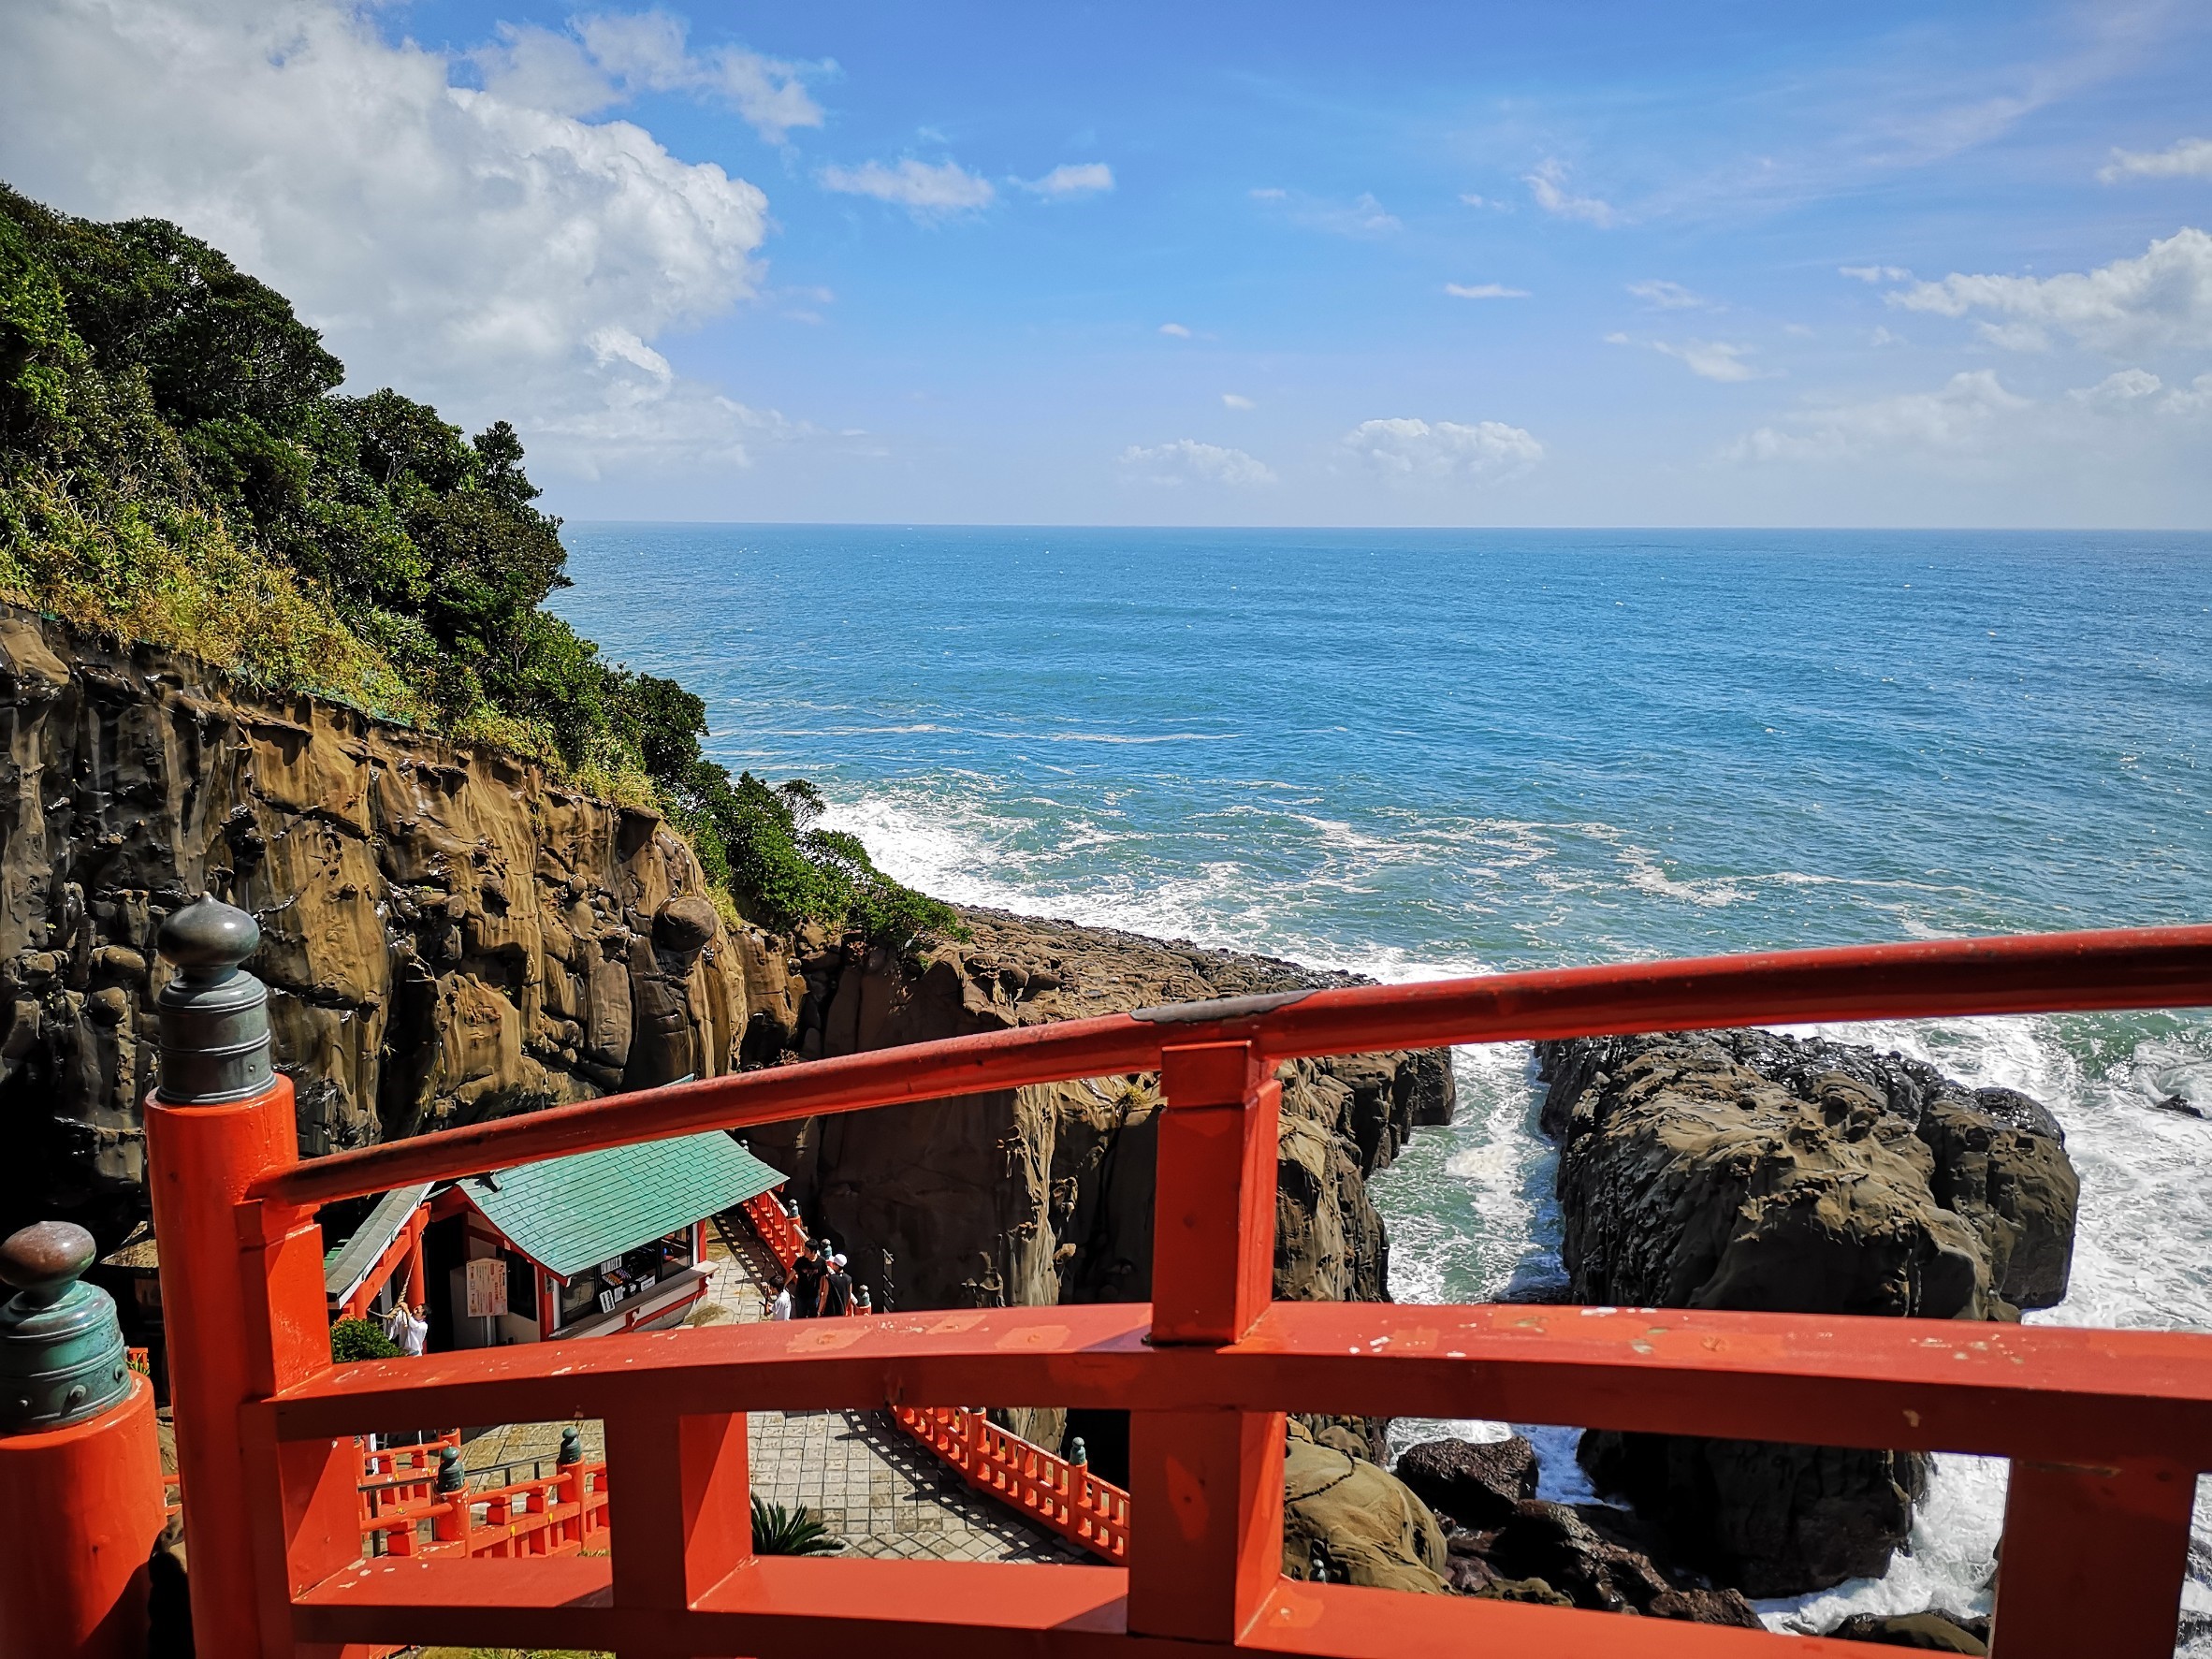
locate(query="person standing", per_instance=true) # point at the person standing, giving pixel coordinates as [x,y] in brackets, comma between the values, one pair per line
[805,1281]
[408,1328]
[836,1290]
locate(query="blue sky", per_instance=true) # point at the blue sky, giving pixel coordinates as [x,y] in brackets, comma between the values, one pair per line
[1589,264]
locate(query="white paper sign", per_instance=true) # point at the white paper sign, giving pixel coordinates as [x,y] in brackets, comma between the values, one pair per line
[488,1286]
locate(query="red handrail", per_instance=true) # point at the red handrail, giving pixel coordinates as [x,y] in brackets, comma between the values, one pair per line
[1064,1497]
[2039,974]
[2106,1430]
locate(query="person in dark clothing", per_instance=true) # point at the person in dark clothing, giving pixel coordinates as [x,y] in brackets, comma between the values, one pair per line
[836,1290]
[805,1281]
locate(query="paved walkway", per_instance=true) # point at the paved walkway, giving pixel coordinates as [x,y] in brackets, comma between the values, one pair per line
[871,1483]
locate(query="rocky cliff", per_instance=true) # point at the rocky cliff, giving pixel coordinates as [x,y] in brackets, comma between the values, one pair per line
[446,933]
[1042,1195]
[1745,1169]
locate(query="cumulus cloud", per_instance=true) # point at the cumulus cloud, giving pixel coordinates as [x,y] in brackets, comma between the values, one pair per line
[605,58]
[927,189]
[1547,185]
[1712,359]
[1664,296]
[1175,330]
[1962,415]
[1406,450]
[2189,158]
[1090,178]
[1876,273]
[2127,385]
[1237,400]
[485,247]
[1188,461]
[1484,291]
[2162,299]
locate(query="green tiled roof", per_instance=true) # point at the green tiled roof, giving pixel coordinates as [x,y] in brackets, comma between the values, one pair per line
[569,1213]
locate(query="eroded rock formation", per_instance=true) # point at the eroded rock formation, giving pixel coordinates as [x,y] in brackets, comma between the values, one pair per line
[1745,1169]
[446,934]
[1036,1196]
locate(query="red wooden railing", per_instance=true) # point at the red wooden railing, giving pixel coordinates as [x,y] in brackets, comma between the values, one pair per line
[2106,1430]
[1056,1494]
[558,1514]
[778,1230]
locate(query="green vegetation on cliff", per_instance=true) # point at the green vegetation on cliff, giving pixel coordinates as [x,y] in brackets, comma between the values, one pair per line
[178,465]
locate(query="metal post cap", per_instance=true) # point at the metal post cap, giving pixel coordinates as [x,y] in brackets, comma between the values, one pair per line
[449,1469]
[62,1358]
[214,1017]
[571,1446]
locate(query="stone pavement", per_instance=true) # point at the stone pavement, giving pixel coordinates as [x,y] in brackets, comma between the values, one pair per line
[872,1484]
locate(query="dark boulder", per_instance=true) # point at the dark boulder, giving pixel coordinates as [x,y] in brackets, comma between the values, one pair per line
[1585,1556]
[1475,1485]
[1746,1169]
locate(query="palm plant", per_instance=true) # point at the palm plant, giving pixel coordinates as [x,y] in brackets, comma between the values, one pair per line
[796,1531]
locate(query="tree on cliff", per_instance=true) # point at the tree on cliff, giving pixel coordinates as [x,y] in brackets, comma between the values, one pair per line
[177,464]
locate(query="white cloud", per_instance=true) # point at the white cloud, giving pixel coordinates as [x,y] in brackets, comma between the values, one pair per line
[647,51]
[1175,330]
[1071,179]
[1664,296]
[485,247]
[1237,400]
[1881,336]
[1269,193]
[2196,400]
[2162,299]
[1491,202]
[2012,337]
[1406,450]
[1712,359]
[1361,217]
[1484,291]
[2128,386]
[927,189]
[1547,184]
[1876,273]
[1962,415]
[1188,461]
[2189,158]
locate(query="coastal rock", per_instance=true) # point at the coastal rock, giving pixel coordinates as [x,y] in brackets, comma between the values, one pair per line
[1042,1195]
[1583,1555]
[1477,1485]
[1931,1632]
[447,935]
[1348,1522]
[1746,1169]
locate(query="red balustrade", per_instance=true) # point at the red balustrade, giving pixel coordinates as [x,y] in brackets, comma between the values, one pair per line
[1064,1497]
[559,1514]
[2107,1430]
[781,1231]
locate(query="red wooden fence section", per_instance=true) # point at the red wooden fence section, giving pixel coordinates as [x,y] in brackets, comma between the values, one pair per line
[2107,1430]
[1056,1494]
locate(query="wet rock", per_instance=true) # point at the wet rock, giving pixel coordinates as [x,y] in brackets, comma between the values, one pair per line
[1934,1633]
[2182,1106]
[1747,1169]
[1350,1522]
[1477,1485]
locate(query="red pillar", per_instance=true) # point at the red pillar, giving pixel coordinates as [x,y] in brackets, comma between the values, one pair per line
[687,1517]
[417,1275]
[242,1287]
[1209,1484]
[2093,1559]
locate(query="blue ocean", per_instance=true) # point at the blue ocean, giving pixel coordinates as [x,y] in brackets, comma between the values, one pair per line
[1417,753]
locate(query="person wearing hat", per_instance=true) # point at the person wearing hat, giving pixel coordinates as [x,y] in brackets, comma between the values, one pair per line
[836,1290]
[806,1279]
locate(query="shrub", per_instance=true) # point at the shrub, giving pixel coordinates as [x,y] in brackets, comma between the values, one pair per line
[798,1530]
[360,1339]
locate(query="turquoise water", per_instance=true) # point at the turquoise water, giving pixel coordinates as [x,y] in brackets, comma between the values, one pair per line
[1414,753]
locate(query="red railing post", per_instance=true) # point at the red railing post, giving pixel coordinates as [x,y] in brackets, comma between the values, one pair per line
[1209,1484]
[243,1290]
[687,1511]
[2093,1559]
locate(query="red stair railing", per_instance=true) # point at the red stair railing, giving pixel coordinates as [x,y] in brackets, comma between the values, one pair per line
[2107,1430]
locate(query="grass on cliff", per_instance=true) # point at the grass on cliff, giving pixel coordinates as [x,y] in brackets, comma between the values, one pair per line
[178,466]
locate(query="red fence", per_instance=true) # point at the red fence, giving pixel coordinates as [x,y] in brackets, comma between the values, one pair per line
[1063,1497]
[2106,1430]
[777,1229]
